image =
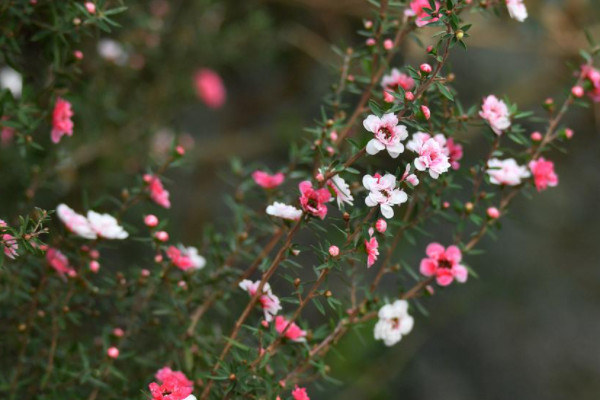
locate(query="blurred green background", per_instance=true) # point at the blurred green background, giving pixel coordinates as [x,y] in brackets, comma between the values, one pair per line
[528,328]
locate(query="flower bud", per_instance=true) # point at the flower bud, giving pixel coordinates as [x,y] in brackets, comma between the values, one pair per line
[409,96]
[346,217]
[94,266]
[162,236]
[333,135]
[412,179]
[536,136]
[328,293]
[118,332]
[180,150]
[319,177]
[334,251]
[90,7]
[493,212]
[370,42]
[446,204]
[78,54]
[426,68]
[381,225]
[459,34]
[297,282]
[145,273]
[569,133]
[112,352]
[388,44]
[426,112]
[469,207]
[368,24]
[577,91]
[150,220]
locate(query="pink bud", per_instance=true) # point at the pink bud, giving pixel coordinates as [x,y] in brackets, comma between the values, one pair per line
[536,136]
[320,177]
[333,135]
[145,273]
[180,150]
[182,284]
[94,266]
[158,258]
[429,49]
[370,42]
[426,68]
[295,252]
[388,44]
[151,220]
[78,54]
[264,323]
[118,332]
[569,133]
[162,236]
[330,150]
[577,91]
[334,251]
[350,78]
[430,289]
[147,178]
[94,254]
[368,24]
[549,101]
[113,352]
[409,96]
[426,112]
[412,179]
[381,225]
[493,212]
[282,383]
[85,248]
[91,7]
[72,273]
[446,204]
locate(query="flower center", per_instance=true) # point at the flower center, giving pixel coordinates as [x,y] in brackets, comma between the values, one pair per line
[395,323]
[385,131]
[443,263]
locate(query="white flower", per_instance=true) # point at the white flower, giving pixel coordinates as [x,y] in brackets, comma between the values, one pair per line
[190,397]
[284,211]
[106,226]
[268,301]
[506,172]
[517,10]
[383,193]
[388,134]
[11,80]
[342,190]
[76,223]
[432,151]
[198,262]
[112,51]
[394,322]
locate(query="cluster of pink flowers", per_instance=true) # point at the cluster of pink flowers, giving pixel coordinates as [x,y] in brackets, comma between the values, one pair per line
[62,124]
[10,243]
[444,264]
[496,113]
[267,300]
[174,385]
[157,192]
[266,180]
[185,258]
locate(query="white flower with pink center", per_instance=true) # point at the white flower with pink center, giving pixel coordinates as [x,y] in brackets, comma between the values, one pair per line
[388,134]
[106,226]
[341,190]
[506,172]
[268,301]
[517,10]
[496,113]
[394,322]
[76,223]
[383,193]
[432,153]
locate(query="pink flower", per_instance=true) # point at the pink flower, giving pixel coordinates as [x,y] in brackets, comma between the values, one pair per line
[158,193]
[593,76]
[174,385]
[61,120]
[496,113]
[394,80]
[372,249]
[417,8]
[383,193]
[455,153]
[444,264]
[112,352]
[10,243]
[267,180]
[313,201]
[293,333]
[58,261]
[300,394]
[334,251]
[516,10]
[118,332]
[185,258]
[388,134]
[76,223]
[432,153]
[284,211]
[268,301]
[506,172]
[210,88]
[543,173]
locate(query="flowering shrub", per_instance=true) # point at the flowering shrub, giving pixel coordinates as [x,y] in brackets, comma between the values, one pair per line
[378,165]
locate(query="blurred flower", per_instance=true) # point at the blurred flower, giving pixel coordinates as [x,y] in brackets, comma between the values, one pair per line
[284,211]
[58,261]
[10,243]
[106,226]
[112,51]
[417,9]
[11,80]
[186,258]
[61,120]
[341,190]
[112,352]
[543,173]
[388,134]
[455,153]
[210,88]
[294,333]
[174,385]
[334,251]
[300,394]
[266,180]
[496,113]
[506,172]
[516,10]
[372,249]
[268,301]
[90,7]
[76,223]
[444,264]
[313,200]
[7,133]
[383,193]
[393,81]
[394,322]
[158,193]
